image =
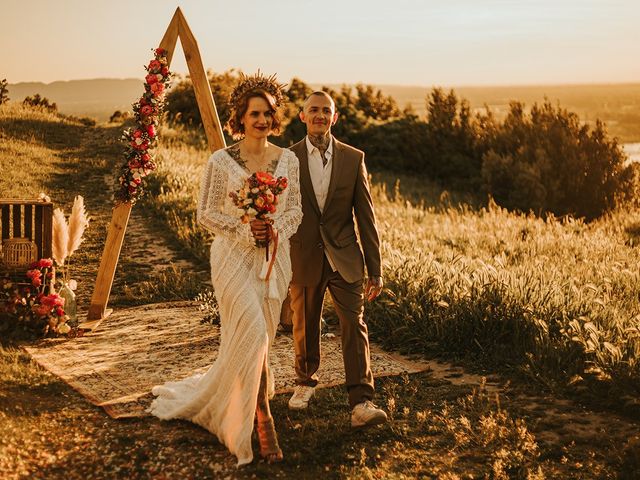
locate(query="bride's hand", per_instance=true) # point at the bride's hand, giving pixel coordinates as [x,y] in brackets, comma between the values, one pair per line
[260,229]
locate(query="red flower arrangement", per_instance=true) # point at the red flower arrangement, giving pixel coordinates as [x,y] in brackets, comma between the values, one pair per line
[257,199]
[31,307]
[259,196]
[141,139]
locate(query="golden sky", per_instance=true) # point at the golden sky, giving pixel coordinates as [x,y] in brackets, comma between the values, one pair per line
[403,42]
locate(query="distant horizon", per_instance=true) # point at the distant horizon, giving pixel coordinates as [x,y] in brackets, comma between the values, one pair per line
[497,85]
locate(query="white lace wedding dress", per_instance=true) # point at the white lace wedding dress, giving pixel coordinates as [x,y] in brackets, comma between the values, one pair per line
[223,400]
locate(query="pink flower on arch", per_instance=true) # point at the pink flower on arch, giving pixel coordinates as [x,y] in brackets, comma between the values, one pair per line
[154,65]
[146,110]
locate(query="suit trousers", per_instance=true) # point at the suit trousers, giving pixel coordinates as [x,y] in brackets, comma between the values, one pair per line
[348,300]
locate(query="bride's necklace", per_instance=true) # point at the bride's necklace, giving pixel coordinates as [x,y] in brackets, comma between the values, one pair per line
[252,160]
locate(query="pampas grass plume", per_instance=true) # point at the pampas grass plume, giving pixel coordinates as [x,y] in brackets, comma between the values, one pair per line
[78,221]
[60,237]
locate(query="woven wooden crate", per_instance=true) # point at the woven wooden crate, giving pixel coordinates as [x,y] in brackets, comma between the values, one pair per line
[31,219]
[18,253]
[24,219]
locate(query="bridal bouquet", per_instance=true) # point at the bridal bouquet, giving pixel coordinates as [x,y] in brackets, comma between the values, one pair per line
[258,198]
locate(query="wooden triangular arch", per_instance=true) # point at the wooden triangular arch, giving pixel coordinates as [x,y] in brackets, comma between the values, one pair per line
[115,236]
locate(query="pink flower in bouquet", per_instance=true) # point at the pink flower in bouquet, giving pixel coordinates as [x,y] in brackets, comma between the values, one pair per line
[154,65]
[164,71]
[145,157]
[134,164]
[60,312]
[151,79]
[160,51]
[151,131]
[137,133]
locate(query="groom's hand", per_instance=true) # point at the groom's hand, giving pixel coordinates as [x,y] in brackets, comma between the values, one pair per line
[374,287]
[260,229]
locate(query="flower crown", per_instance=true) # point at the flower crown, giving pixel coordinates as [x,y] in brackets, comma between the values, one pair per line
[257,82]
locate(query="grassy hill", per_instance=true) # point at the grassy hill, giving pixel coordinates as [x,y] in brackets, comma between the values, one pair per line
[97,98]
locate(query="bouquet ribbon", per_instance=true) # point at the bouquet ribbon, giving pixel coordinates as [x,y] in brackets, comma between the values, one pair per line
[274,234]
[267,266]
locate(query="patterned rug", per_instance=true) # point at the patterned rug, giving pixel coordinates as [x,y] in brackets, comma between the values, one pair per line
[136,348]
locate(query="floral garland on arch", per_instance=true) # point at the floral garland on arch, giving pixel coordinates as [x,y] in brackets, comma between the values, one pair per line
[141,140]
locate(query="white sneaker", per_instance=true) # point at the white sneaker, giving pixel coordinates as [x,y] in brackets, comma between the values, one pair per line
[366,413]
[301,396]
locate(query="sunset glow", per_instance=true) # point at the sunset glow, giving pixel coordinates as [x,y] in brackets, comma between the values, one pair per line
[404,42]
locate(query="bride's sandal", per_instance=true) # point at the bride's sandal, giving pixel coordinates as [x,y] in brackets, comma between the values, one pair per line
[269,448]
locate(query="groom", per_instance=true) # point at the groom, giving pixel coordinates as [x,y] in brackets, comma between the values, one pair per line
[325,254]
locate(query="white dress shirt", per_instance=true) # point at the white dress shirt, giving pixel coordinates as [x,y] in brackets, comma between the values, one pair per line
[320,177]
[320,174]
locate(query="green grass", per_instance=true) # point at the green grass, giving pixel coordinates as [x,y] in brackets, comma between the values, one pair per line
[484,285]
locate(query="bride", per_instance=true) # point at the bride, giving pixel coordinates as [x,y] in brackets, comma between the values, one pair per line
[238,385]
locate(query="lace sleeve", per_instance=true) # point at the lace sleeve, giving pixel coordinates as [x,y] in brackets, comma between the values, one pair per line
[213,194]
[287,223]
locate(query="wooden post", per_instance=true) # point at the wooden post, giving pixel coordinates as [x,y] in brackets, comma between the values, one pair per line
[108,264]
[178,27]
[201,85]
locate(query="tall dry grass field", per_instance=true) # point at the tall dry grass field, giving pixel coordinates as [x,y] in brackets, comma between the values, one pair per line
[556,299]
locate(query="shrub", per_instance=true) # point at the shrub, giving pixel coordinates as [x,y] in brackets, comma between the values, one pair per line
[120,117]
[40,102]
[182,107]
[4,91]
[547,161]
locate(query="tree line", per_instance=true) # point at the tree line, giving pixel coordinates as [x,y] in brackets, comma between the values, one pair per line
[543,159]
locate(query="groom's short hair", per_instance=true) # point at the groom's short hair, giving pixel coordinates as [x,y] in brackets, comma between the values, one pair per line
[319,93]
